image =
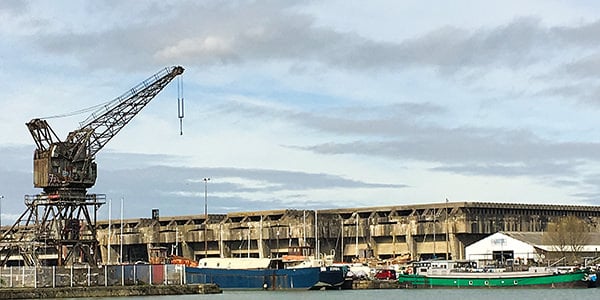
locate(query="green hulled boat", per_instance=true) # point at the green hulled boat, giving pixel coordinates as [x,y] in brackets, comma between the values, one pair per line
[476,278]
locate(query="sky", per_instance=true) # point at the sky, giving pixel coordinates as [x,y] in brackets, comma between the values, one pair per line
[312,104]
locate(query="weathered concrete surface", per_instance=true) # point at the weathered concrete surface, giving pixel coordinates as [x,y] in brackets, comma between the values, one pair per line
[421,230]
[375,284]
[110,291]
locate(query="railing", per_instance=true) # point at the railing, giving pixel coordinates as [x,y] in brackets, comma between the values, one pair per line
[77,276]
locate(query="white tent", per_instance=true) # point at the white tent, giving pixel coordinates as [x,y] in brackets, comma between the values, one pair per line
[524,247]
[498,245]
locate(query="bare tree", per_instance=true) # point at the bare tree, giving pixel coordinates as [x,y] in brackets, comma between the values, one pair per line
[556,236]
[568,235]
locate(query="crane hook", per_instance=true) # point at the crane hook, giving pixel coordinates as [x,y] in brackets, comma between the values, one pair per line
[180,106]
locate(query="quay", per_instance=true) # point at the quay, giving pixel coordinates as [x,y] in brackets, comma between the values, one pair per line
[110,291]
[375,284]
[85,281]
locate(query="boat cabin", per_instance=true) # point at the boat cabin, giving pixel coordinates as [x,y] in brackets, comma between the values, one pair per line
[240,263]
[437,266]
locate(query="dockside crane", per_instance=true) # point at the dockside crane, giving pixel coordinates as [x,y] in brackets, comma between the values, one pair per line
[57,221]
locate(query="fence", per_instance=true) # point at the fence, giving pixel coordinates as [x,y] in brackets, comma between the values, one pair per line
[72,276]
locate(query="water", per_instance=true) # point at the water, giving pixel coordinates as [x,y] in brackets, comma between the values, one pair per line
[421,294]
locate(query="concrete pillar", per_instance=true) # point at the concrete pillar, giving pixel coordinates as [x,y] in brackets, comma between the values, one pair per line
[186,250]
[114,255]
[412,245]
[103,253]
[372,242]
[264,249]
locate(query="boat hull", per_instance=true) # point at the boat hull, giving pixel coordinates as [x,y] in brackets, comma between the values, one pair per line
[301,278]
[568,280]
[331,278]
[593,279]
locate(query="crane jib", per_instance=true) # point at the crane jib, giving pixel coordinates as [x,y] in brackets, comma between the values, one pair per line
[169,72]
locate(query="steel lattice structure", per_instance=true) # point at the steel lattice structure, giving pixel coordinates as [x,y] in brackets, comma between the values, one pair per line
[61,221]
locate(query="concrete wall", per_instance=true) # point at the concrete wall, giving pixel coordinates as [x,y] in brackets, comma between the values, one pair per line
[423,231]
[442,229]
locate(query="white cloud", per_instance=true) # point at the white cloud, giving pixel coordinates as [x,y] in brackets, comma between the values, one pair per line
[191,48]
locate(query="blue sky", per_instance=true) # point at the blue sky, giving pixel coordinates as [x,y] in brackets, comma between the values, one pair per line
[311,104]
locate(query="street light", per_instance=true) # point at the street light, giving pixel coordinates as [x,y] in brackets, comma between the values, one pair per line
[1,197]
[206,180]
[447,233]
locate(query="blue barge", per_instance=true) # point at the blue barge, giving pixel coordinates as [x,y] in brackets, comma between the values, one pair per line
[255,273]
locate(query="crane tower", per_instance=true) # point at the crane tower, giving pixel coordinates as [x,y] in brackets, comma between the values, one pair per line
[60,222]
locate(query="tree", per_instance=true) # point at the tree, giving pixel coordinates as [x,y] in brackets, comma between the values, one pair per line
[568,236]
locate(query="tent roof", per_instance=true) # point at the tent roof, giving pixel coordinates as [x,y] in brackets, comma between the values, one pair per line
[537,238]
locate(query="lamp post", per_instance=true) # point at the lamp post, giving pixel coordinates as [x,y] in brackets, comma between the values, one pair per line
[447,233]
[206,180]
[1,197]
[434,241]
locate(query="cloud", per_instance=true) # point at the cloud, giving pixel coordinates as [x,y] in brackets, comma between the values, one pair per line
[16,158]
[372,120]
[408,132]
[16,180]
[451,146]
[13,7]
[177,188]
[582,35]
[198,47]
[577,91]
[585,67]
[261,31]
[539,169]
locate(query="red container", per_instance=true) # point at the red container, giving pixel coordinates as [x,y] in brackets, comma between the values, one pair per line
[158,274]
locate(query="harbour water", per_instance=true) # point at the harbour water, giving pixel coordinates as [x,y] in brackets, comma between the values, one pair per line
[422,294]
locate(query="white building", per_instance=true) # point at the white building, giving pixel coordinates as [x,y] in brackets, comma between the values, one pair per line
[522,247]
[499,245]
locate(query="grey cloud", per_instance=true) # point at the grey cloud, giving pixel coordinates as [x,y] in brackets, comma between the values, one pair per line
[539,169]
[13,6]
[587,188]
[17,158]
[195,34]
[146,185]
[114,49]
[450,49]
[178,190]
[589,198]
[16,178]
[162,186]
[581,48]
[585,67]
[405,132]
[117,160]
[458,146]
[278,180]
[584,91]
[387,120]
[584,35]
[14,184]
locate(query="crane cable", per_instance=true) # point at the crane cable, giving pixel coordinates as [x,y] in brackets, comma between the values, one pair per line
[81,111]
[97,107]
